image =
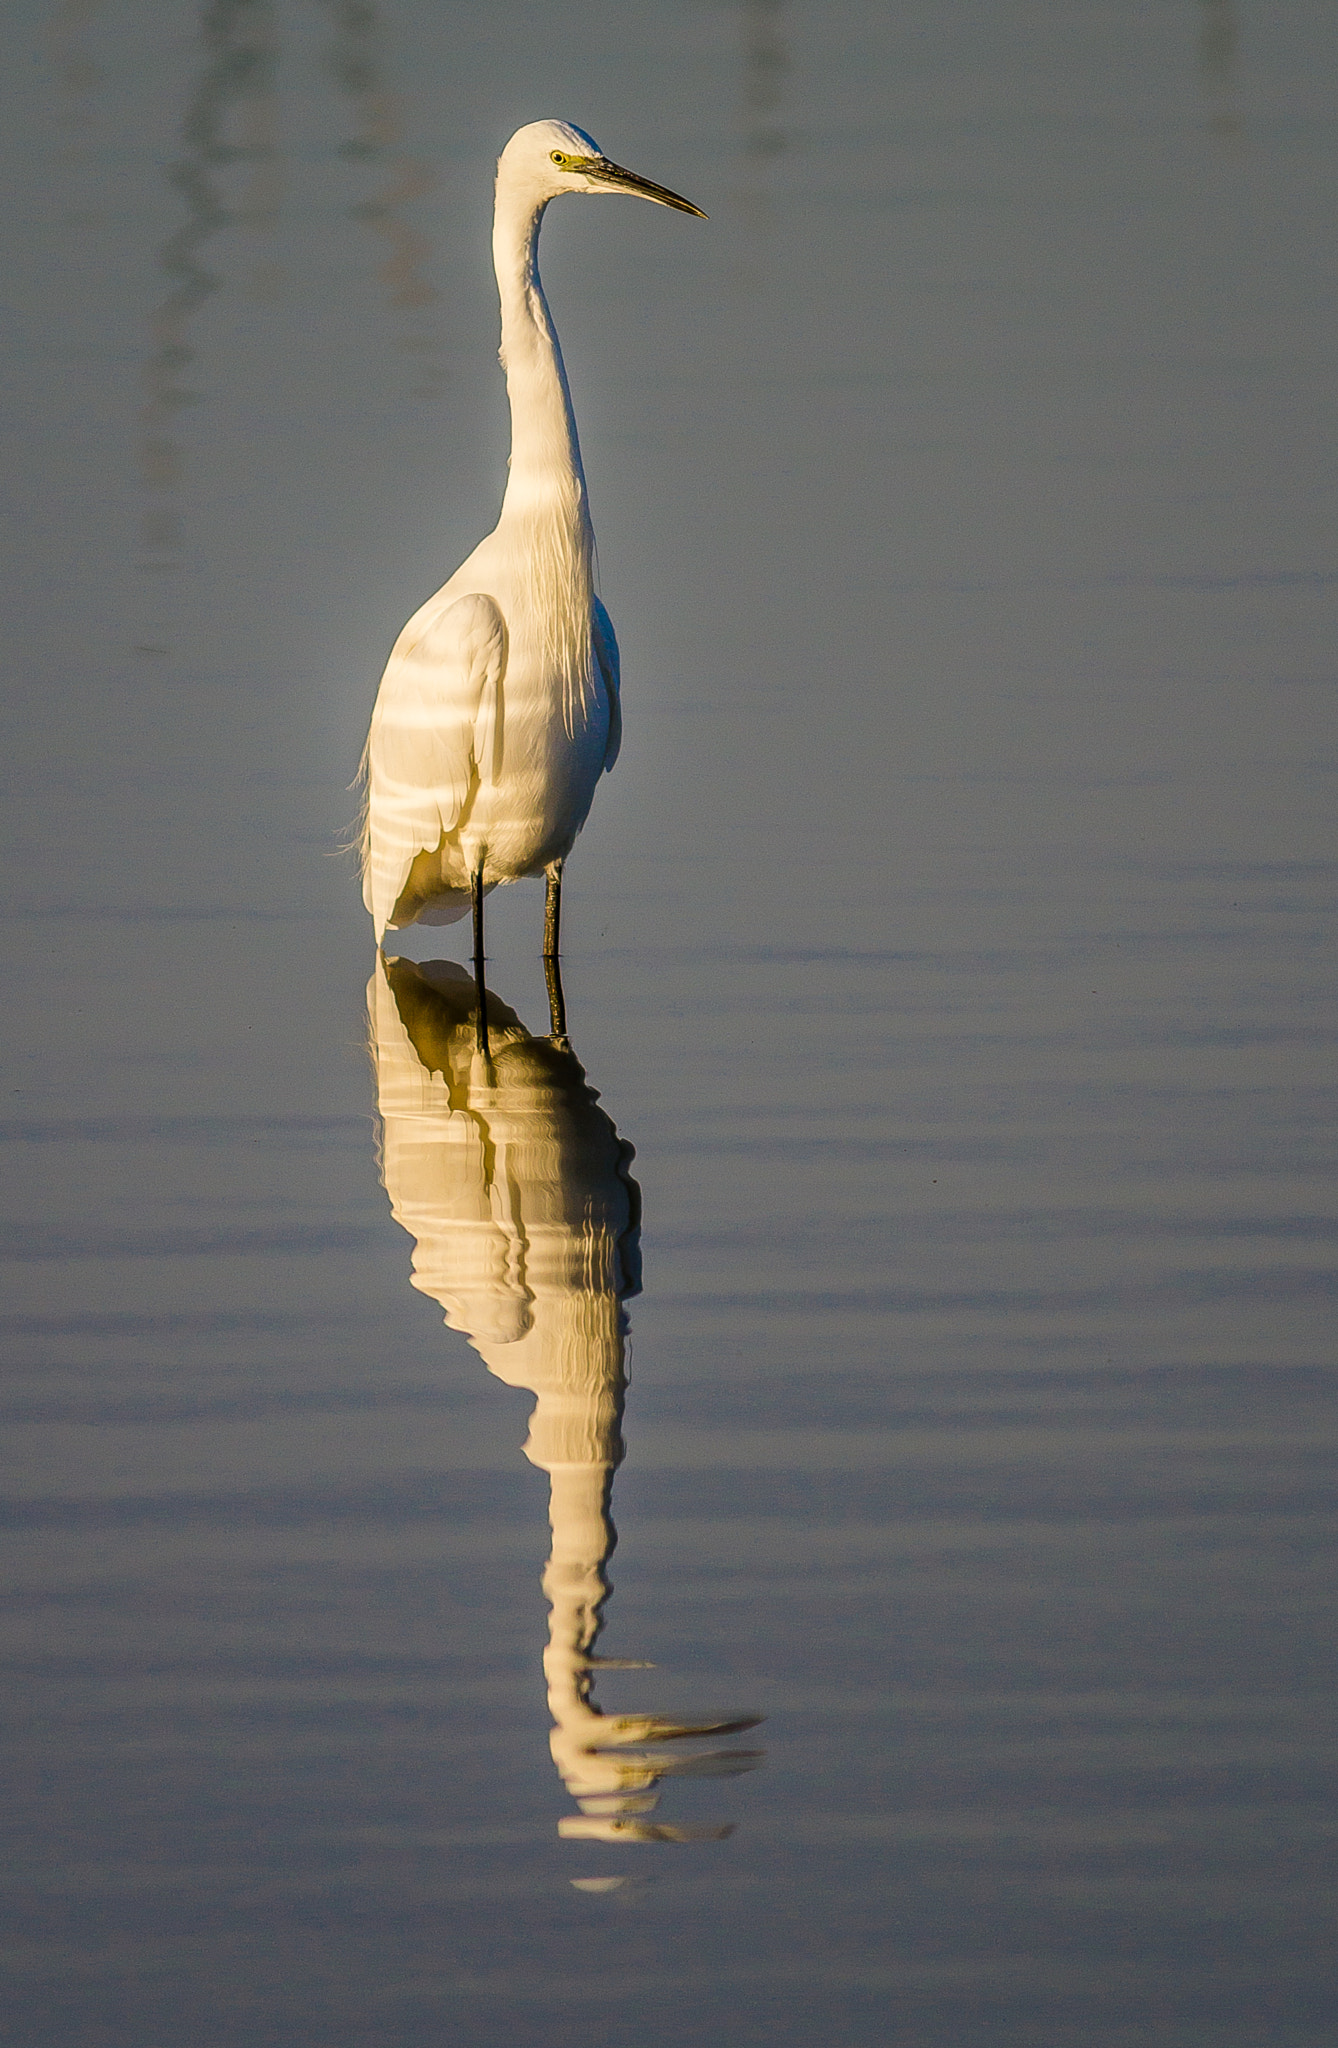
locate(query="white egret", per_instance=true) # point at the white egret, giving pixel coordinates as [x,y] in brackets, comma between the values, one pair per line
[499,710]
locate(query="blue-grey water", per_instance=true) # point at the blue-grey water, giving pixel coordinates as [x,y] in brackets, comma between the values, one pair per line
[953,944]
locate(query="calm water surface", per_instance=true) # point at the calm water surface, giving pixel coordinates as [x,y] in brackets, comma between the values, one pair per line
[949,974]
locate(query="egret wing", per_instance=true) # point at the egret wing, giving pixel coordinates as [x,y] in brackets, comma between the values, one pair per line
[437,727]
[610,670]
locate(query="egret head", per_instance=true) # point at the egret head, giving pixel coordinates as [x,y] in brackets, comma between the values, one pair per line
[548,158]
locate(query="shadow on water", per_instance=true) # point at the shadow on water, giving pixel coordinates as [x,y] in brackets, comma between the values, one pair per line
[517,1190]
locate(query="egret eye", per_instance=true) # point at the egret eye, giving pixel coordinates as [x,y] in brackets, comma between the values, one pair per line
[558,158]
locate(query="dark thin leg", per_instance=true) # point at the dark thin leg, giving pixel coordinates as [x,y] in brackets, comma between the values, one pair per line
[553,911]
[557,1009]
[476,895]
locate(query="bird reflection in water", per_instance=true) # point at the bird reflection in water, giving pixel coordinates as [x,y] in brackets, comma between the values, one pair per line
[517,1190]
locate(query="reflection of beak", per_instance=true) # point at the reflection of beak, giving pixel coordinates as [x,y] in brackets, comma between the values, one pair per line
[618,180]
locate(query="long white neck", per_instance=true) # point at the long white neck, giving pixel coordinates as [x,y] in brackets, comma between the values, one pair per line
[546,474]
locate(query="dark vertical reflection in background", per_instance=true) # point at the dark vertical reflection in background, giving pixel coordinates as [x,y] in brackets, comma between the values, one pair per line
[766,61]
[230,124]
[764,75]
[77,75]
[230,173]
[1219,44]
[355,60]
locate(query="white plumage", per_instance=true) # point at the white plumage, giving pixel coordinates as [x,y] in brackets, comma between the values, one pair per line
[499,709]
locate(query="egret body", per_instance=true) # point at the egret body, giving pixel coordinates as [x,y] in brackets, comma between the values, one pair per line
[499,709]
